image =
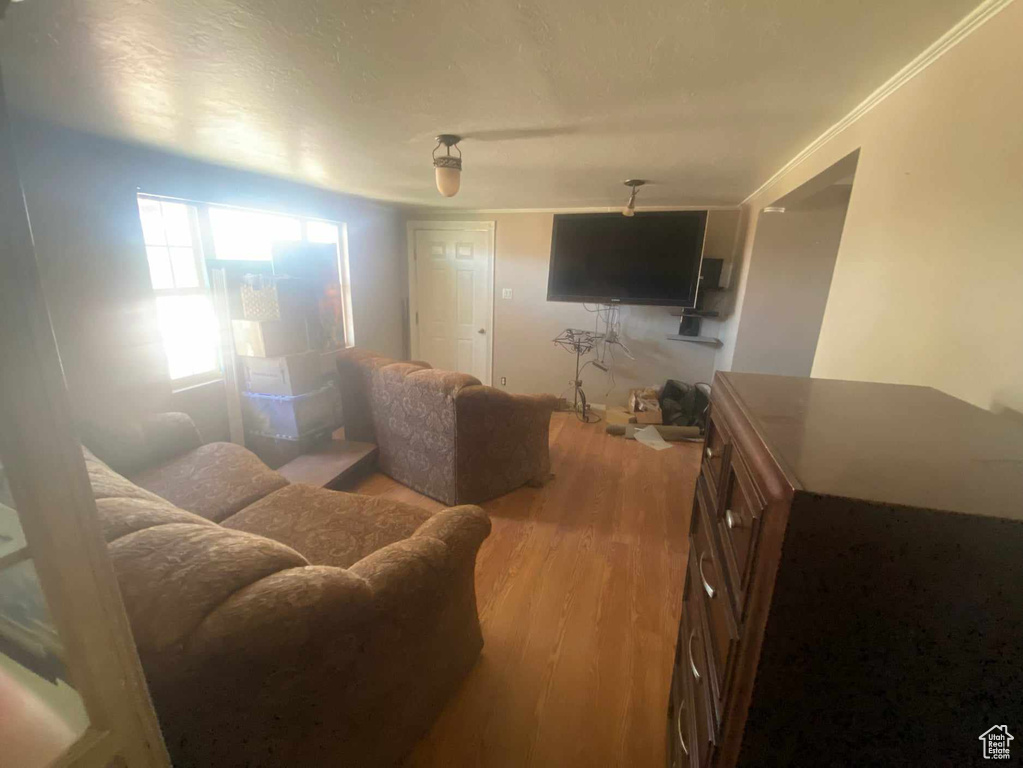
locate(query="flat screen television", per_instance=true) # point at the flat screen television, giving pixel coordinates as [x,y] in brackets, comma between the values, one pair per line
[649,258]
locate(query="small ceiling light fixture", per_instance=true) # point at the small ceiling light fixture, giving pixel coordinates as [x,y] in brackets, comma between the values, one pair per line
[630,207]
[774,209]
[447,167]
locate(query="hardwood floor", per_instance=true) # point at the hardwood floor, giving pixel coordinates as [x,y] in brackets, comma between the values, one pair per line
[579,589]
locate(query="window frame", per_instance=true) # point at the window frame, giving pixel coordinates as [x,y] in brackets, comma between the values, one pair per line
[204,252]
[200,239]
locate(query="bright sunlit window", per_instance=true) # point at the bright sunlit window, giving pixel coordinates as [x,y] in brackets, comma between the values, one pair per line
[181,237]
[320,232]
[250,235]
[178,275]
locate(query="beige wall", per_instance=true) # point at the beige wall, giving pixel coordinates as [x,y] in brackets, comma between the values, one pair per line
[81,193]
[788,283]
[928,285]
[525,325]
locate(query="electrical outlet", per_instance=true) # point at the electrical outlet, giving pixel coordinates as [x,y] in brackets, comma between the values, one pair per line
[506,293]
[504,381]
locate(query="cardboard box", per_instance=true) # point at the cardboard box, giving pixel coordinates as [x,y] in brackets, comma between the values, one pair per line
[642,399]
[616,414]
[289,375]
[652,416]
[269,338]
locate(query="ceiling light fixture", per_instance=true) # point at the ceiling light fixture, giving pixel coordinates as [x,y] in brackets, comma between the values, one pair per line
[774,209]
[630,207]
[447,167]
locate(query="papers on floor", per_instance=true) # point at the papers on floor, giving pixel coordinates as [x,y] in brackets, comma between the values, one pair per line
[651,438]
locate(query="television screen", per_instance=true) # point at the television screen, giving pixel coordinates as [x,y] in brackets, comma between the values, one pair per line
[649,258]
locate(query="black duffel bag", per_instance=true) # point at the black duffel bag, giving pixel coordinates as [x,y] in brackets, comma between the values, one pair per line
[685,405]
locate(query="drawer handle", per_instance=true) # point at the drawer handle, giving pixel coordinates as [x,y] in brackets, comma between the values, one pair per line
[707,587]
[681,709]
[732,520]
[692,664]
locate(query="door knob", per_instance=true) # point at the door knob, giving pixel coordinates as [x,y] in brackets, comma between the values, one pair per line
[482,331]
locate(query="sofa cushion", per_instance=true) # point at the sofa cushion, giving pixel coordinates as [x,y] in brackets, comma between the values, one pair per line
[329,527]
[214,481]
[120,516]
[122,507]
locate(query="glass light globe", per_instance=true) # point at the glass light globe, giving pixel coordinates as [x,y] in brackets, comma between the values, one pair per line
[448,180]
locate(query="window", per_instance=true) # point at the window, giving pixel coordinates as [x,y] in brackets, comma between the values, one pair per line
[317,231]
[175,234]
[178,275]
[321,232]
[243,234]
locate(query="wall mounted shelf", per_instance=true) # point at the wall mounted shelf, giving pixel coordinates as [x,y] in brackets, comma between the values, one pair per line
[710,341]
[713,314]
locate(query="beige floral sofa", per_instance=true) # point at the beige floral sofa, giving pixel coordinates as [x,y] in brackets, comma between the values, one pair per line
[442,433]
[282,625]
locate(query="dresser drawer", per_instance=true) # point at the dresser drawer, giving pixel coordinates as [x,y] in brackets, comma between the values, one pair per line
[694,671]
[680,724]
[715,449]
[739,519]
[712,594]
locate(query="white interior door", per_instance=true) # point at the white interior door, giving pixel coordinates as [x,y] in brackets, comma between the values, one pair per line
[453,300]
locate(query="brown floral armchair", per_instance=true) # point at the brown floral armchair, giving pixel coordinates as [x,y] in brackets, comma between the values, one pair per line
[442,433]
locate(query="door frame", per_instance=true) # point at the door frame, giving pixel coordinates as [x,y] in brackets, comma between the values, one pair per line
[487,227]
[56,507]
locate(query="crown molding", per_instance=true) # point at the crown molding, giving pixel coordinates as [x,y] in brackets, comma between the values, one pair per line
[966,26]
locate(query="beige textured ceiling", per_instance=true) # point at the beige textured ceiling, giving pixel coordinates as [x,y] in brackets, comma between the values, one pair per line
[560,100]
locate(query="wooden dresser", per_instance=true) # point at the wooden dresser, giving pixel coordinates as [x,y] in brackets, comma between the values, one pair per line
[854,594]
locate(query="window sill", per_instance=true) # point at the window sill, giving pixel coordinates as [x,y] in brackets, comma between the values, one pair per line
[186,385]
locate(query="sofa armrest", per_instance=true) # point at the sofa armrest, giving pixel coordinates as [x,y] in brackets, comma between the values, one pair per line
[130,444]
[285,613]
[502,441]
[267,667]
[406,577]
[409,575]
[462,529]
[498,401]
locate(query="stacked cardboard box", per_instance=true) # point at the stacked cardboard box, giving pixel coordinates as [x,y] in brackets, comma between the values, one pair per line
[287,404]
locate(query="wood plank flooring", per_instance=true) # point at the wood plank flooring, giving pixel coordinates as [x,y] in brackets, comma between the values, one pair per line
[579,589]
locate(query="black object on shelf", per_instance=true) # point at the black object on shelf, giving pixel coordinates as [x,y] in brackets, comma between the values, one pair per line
[710,274]
[689,325]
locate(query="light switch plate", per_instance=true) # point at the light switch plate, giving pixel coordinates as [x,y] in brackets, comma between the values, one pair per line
[506,293]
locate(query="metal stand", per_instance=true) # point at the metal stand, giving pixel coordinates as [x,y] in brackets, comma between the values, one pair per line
[580,342]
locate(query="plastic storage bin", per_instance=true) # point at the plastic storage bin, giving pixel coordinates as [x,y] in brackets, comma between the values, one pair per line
[290,417]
